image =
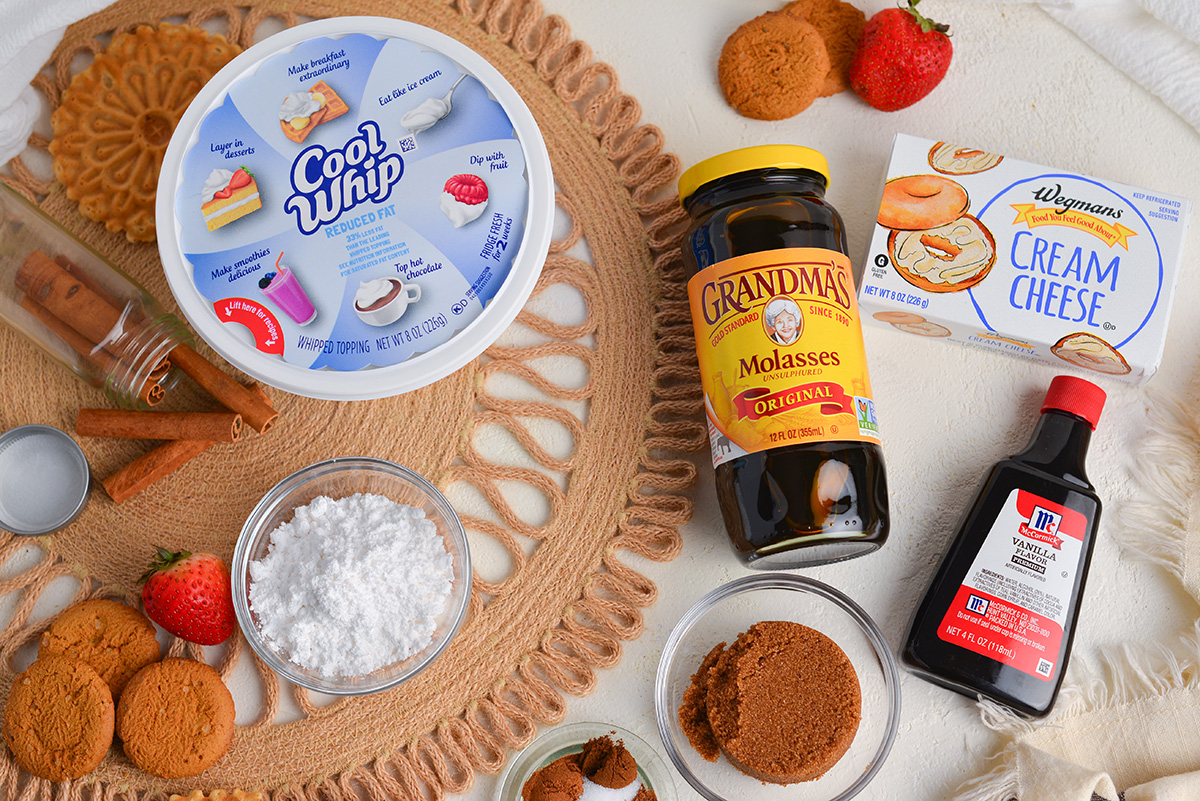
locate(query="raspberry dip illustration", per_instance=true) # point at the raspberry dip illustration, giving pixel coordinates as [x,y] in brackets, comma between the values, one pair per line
[412,196]
[464,198]
[301,112]
[228,196]
[285,291]
[383,301]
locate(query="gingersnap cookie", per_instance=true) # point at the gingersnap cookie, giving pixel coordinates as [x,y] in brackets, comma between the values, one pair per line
[1091,353]
[175,718]
[117,116]
[773,67]
[114,639]
[840,26]
[954,160]
[949,258]
[59,719]
[783,702]
[921,202]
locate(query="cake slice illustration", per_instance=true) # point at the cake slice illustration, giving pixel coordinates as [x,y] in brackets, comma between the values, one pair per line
[301,112]
[228,196]
[464,197]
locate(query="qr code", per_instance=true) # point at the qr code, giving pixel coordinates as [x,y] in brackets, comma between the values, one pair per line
[1045,667]
[408,144]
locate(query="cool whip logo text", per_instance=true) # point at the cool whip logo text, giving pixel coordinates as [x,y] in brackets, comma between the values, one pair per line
[328,183]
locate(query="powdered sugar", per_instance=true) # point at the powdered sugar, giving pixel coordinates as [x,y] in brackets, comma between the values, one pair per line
[351,585]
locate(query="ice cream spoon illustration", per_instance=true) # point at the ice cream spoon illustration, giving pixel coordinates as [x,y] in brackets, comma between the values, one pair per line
[430,111]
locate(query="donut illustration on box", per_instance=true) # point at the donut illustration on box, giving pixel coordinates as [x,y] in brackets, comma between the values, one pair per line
[301,112]
[911,323]
[935,245]
[951,159]
[1091,353]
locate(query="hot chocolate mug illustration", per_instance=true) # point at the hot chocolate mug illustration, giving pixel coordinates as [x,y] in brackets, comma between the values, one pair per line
[383,301]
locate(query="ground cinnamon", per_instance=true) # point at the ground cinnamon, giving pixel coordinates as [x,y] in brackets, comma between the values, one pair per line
[127,424]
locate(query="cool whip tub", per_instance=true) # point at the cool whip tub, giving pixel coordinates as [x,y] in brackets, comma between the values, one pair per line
[354,208]
[1001,254]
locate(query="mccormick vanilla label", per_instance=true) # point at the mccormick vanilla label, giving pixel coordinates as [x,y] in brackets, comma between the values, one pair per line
[352,202]
[1012,605]
[1037,262]
[781,352]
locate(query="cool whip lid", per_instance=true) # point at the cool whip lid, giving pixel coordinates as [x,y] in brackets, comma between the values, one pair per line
[341,154]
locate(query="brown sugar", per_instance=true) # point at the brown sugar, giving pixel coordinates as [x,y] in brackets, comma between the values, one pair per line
[693,712]
[783,703]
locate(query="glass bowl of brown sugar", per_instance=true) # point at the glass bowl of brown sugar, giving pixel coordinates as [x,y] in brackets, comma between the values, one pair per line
[777,687]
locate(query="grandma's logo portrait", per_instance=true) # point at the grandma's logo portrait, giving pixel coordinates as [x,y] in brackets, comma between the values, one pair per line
[782,320]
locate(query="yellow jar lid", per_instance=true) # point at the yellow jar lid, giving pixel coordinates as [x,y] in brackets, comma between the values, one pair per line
[762,157]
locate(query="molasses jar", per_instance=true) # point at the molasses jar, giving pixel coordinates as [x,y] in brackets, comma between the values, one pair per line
[791,421]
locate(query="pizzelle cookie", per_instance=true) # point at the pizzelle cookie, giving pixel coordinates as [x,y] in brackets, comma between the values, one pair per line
[773,67]
[58,722]
[840,26]
[117,116]
[114,639]
[175,718]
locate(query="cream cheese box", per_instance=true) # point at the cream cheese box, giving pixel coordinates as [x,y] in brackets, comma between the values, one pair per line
[1005,255]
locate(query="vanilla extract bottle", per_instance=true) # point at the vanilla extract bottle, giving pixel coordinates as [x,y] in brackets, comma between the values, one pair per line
[999,617]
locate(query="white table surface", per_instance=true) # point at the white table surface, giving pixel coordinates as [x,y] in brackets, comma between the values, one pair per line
[1022,85]
[1019,84]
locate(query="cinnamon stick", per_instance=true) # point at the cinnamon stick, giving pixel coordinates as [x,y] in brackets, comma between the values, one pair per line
[257,413]
[161,461]
[125,424]
[104,362]
[68,299]
[87,280]
[151,393]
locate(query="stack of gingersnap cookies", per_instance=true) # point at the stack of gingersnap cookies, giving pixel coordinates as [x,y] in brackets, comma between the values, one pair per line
[774,66]
[99,672]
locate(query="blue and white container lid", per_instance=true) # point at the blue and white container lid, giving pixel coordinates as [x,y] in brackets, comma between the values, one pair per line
[354,208]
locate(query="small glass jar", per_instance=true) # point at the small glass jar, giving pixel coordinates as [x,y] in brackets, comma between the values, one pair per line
[81,310]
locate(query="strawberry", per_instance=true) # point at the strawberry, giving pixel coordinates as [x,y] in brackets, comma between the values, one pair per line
[189,595]
[900,58]
[241,177]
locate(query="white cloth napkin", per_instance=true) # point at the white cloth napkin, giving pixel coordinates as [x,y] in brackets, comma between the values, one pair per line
[1154,42]
[30,31]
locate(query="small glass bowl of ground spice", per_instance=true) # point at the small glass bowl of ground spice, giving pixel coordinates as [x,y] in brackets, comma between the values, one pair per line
[587,762]
[777,687]
[351,576]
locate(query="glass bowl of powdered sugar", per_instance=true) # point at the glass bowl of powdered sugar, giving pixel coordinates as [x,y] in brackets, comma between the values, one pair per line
[351,576]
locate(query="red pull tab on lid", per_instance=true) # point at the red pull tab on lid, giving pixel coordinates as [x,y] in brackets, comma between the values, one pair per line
[1077,396]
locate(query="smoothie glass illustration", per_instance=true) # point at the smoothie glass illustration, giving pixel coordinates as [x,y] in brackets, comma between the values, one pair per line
[283,288]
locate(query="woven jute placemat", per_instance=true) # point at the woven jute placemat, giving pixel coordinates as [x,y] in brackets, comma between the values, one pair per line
[554,595]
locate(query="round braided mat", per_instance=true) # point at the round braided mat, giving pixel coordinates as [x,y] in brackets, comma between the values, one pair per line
[561,446]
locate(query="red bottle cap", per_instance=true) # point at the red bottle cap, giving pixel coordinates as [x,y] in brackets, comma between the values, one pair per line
[1077,396]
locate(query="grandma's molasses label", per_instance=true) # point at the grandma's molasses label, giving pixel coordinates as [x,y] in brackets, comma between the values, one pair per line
[781,352]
